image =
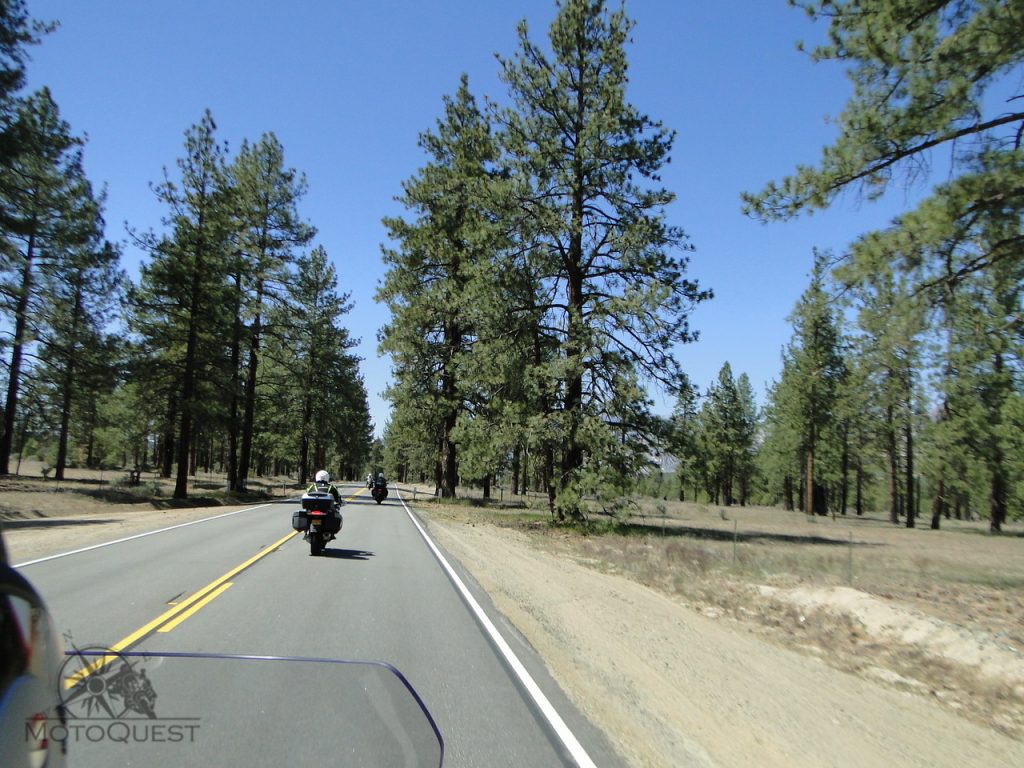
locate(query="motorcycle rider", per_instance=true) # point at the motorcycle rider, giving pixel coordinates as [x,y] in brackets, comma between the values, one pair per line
[380,488]
[322,484]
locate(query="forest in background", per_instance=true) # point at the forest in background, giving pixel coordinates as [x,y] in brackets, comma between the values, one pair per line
[227,352]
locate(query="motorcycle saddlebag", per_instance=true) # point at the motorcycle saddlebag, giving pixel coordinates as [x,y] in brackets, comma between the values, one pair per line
[300,520]
[332,522]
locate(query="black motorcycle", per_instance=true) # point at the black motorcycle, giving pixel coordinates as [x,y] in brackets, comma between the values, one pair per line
[320,519]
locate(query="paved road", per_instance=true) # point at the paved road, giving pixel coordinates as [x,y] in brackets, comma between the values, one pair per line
[378,592]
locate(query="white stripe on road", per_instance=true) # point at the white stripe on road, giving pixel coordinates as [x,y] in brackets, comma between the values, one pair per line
[140,535]
[572,744]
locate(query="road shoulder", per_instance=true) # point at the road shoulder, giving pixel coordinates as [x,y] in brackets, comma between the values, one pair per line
[671,686]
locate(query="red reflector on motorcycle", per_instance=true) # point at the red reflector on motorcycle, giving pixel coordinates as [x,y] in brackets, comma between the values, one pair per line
[316,513]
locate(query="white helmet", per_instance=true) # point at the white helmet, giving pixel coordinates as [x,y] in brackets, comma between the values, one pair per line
[323,476]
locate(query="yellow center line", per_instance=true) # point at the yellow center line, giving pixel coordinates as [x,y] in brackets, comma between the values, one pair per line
[138,634]
[176,621]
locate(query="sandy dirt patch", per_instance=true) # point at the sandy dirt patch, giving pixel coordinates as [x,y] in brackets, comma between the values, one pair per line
[672,686]
[881,619]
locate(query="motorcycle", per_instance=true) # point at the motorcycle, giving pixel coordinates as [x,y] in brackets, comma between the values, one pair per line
[379,492]
[320,519]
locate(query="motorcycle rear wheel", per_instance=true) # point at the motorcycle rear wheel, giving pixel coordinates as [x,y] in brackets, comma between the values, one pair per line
[316,544]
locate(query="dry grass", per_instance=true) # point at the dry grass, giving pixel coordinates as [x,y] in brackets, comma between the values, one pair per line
[31,494]
[711,558]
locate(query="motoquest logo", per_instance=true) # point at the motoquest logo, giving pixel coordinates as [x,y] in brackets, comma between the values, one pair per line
[105,696]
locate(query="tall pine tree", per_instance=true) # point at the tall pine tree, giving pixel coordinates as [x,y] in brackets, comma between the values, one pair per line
[591,219]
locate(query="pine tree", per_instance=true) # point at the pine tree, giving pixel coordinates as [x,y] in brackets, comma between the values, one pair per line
[920,69]
[816,372]
[318,392]
[683,434]
[18,31]
[78,356]
[723,422]
[891,319]
[746,448]
[179,309]
[47,212]
[584,165]
[266,194]
[437,255]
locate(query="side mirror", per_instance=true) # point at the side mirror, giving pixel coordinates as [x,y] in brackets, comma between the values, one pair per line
[31,655]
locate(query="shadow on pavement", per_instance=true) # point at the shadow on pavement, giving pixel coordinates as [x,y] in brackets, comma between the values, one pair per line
[347,554]
[48,522]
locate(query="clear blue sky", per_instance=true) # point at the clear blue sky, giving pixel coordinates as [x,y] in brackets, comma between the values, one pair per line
[347,85]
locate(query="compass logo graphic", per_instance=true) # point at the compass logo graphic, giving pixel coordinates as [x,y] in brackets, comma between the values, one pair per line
[99,683]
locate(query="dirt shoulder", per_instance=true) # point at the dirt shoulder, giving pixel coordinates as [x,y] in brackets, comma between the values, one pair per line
[677,682]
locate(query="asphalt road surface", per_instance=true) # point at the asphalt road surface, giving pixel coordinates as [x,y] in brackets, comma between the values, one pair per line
[239,584]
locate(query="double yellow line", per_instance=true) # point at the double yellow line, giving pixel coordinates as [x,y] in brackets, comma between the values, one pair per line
[168,620]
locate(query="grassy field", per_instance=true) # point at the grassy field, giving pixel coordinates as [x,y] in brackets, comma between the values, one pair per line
[723,561]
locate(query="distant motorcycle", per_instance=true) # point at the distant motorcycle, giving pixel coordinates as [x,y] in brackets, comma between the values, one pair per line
[380,490]
[320,519]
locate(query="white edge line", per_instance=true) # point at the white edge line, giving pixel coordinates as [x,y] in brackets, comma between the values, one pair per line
[569,740]
[140,535]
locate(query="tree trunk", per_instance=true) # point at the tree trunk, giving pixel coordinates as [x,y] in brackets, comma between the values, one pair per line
[938,503]
[572,453]
[911,509]
[185,427]
[448,480]
[997,493]
[234,426]
[844,481]
[549,484]
[860,489]
[67,386]
[307,418]
[809,483]
[998,485]
[891,450]
[249,408]
[516,453]
[167,442]
[14,370]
